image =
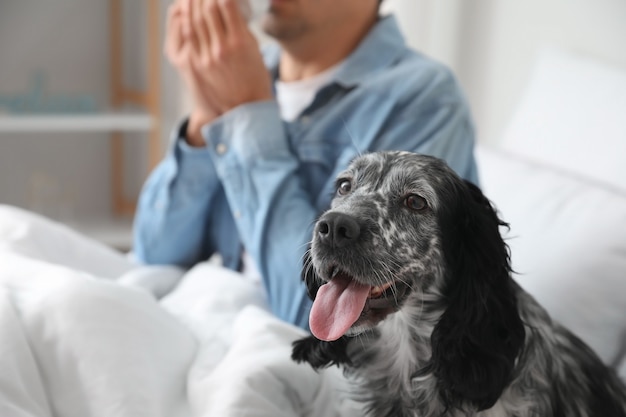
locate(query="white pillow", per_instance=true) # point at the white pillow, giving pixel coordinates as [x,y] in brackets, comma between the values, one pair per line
[568,245]
[573,116]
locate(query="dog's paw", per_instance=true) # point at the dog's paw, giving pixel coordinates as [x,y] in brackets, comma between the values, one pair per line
[304,349]
[300,350]
[320,354]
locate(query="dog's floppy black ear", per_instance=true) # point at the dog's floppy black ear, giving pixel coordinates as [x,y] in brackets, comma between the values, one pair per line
[310,278]
[479,336]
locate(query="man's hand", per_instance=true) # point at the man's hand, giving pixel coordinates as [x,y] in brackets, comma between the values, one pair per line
[178,52]
[209,43]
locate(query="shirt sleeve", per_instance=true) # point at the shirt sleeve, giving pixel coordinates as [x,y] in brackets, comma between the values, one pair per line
[273,212]
[444,131]
[435,121]
[174,207]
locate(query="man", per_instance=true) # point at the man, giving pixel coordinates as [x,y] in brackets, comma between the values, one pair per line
[255,163]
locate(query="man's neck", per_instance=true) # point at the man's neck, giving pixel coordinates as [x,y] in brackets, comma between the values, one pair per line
[306,57]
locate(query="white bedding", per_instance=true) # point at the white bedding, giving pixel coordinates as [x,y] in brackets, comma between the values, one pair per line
[75,344]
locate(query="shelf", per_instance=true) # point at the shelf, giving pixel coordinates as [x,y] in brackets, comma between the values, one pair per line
[88,122]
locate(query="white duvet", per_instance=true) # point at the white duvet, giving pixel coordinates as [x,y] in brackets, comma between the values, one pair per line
[84,332]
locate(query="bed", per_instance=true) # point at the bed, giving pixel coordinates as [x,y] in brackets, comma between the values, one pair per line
[84,331]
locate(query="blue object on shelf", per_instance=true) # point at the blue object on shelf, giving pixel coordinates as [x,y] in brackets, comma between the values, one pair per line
[37,101]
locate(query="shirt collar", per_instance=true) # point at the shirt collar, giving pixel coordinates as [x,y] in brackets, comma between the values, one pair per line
[379,49]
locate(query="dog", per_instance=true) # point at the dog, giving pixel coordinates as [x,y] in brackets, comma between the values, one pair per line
[414,297]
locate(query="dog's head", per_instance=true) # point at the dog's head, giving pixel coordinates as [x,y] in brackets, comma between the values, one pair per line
[380,241]
[404,229]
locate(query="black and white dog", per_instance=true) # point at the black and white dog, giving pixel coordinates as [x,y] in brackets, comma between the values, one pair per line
[413,295]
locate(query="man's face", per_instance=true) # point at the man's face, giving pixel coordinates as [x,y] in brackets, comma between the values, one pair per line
[290,19]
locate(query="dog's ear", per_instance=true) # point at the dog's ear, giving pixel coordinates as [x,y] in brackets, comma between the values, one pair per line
[479,336]
[310,278]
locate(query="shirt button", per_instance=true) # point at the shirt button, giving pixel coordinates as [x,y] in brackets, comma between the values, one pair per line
[221,149]
[237,214]
[305,120]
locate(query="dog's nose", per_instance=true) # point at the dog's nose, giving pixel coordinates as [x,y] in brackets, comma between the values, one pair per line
[338,229]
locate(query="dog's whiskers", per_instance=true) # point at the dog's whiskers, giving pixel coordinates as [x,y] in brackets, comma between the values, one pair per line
[305,245]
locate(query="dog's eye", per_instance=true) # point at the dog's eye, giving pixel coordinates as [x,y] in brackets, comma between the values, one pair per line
[344,187]
[415,202]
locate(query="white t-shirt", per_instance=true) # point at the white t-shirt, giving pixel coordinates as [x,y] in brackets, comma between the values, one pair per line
[295,96]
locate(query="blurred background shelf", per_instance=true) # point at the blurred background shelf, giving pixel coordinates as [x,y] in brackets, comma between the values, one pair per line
[110,121]
[80,110]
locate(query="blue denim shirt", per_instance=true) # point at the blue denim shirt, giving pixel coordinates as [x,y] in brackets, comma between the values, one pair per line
[260,183]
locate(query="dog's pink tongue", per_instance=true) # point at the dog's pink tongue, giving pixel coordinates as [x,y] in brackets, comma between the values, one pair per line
[338,304]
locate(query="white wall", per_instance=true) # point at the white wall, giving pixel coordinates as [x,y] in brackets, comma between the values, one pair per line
[431,26]
[491,44]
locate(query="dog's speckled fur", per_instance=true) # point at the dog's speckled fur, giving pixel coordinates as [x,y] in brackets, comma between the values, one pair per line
[459,336]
